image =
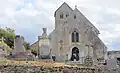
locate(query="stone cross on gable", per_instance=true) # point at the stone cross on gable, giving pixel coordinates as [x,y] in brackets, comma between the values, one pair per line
[75,6]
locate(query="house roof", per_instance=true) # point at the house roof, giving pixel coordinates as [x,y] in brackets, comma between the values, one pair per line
[34,43]
[113,51]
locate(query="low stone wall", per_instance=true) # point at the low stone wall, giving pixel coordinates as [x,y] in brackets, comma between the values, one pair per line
[42,69]
[50,67]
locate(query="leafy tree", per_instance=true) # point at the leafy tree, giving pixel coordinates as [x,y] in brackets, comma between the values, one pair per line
[9,35]
[27,45]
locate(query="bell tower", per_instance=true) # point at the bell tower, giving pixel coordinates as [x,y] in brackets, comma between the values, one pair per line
[61,14]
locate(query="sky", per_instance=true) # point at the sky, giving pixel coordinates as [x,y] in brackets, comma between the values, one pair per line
[28,17]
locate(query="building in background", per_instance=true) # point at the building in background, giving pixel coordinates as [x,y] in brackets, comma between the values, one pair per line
[115,56]
[44,45]
[35,45]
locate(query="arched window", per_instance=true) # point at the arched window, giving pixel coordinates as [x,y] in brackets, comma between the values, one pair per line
[67,14]
[75,36]
[61,15]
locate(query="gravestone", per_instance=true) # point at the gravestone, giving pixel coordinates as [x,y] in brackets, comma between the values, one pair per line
[88,61]
[111,63]
[45,52]
[18,45]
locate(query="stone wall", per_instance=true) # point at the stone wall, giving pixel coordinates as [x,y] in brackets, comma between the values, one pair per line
[42,69]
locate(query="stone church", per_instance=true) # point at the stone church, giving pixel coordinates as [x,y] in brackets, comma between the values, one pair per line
[73,39]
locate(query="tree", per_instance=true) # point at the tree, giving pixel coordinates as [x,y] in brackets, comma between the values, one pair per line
[27,45]
[8,34]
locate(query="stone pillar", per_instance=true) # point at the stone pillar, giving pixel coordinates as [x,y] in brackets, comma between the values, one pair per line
[18,45]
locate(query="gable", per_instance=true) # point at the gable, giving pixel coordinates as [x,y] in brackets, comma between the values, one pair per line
[85,20]
[64,4]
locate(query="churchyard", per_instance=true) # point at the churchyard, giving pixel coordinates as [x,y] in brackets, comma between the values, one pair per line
[23,61]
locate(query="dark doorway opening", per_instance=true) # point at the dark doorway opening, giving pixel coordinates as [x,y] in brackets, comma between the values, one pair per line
[75,54]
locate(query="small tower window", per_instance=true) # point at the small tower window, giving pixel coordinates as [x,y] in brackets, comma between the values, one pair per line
[61,16]
[74,16]
[67,14]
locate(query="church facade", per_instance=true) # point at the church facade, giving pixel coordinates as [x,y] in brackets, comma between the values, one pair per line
[74,37]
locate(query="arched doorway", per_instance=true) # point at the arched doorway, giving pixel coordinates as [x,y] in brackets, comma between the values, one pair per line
[75,54]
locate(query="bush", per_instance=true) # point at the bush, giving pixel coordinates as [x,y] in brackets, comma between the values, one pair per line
[8,49]
[34,51]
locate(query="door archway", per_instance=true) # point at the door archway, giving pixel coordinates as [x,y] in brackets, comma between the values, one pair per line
[75,54]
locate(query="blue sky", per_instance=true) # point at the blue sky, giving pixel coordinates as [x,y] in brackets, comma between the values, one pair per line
[28,17]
